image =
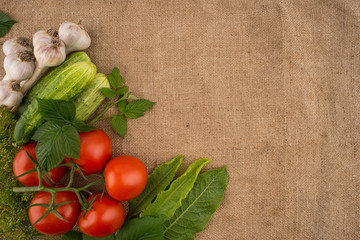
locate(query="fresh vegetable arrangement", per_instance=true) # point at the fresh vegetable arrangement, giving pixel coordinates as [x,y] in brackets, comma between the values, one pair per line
[45,130]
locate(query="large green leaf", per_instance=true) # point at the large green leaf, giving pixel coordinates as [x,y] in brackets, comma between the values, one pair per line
[147,228]
[55,143]
[57,111]
[110,237]
[72,235]
[198,207]
[169,200]
[158,180]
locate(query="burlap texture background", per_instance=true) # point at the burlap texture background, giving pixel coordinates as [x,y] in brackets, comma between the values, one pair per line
[268,88]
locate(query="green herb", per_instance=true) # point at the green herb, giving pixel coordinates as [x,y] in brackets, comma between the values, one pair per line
[5,24]
[127,108]
[59,135]
[169,200]
[14,222]
[158,180]
[111,237]
[148,228]
[72,235]
[198,207]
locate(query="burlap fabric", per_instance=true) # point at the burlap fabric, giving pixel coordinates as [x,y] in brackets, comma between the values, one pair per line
[268,88]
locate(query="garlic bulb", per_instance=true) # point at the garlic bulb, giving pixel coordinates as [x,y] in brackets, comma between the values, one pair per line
[16,45]
[10,95]
[49,51]
[19,66]
[74,36]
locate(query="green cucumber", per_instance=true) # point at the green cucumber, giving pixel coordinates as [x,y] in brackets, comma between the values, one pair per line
[48,77]
[91,98]
[66,85]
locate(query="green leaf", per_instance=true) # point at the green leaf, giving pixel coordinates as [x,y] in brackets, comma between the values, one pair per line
[198,207]
[111,237]
[58,111]
[5,24]
[109,93]
[148,228]
[3,17]
[169,200]
[72,235]
[136,109]
[81,126]
[122,106]
[44,128]
[115,78]
[133,115]
[119,124]
[139,106]
[157,181]
[122,91]
[71,141]
[53,146]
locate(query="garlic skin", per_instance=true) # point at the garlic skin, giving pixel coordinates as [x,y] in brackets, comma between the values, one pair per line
[10,95]
[16,45]
[19,66]
[74,36]
[49,50]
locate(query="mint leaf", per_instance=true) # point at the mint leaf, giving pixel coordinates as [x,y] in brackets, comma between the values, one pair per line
[139,106]
[72,235]
[107,92]
[169,200]
[71,141]
[44,128]
[58,111]
[122,106]
[119,124]
[55,143]
[5,24]
[133,115]
[148,228]
[122,91]
[198,207]
[81,126]
[115,78]
[157,181]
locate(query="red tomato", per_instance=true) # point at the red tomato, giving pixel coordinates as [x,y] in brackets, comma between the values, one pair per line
[95,151]
[22,163]
[105,217]
[52,225]
[125,177]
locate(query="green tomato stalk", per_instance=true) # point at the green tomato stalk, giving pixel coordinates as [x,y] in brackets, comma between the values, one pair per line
[51,207]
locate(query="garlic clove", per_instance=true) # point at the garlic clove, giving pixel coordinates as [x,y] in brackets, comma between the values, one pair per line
[16,45]
[49,51]
[10,95]
[19,66]
[74,36]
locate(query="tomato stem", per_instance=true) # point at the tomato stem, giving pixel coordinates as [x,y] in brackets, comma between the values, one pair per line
[68,187]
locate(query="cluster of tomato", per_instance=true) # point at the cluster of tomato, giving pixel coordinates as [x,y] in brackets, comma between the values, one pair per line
[125,178]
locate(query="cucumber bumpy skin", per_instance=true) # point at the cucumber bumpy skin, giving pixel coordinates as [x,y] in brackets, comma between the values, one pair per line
[91,98]
[48,77]
[66,85]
